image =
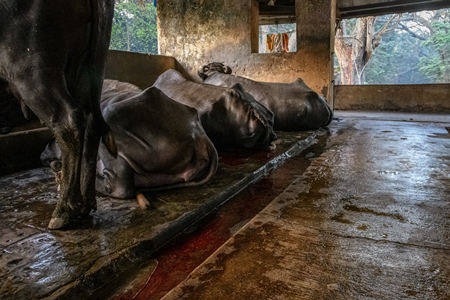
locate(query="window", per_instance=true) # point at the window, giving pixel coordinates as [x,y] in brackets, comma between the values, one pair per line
[134,27]
[274,26]
[408,48]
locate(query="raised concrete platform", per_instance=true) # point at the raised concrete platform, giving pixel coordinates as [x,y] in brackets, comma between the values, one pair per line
[368,219]
[77,263]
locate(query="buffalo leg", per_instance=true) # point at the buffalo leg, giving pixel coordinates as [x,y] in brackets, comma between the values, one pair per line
[67,122]
[88,163]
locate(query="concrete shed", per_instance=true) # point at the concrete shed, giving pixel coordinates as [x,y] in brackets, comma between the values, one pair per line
[356,210]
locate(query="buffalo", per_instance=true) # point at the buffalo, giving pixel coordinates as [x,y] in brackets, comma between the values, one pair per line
[295,106]
[52,60]
[154,152]
[232,118]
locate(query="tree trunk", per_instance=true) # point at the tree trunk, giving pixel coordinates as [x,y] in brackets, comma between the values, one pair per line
[363,47]
[354,51]
[343,50]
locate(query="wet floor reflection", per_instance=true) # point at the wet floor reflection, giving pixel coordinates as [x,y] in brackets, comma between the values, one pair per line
[369,218]
[364,212]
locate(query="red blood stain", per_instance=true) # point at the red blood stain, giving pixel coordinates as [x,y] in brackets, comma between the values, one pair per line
[178,259]
[236,158]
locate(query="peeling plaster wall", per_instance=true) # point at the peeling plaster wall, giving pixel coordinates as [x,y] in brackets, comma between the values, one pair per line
[197,32]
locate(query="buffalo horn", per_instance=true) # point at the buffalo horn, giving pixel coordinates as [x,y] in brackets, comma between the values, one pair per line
[203,69]
[227,70]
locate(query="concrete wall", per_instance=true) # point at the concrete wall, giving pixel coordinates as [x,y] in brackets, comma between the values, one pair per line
[139,68]
[23,148]
[432,98]
[197,32]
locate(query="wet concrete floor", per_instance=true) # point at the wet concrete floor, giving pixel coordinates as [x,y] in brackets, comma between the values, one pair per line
[361,214]
[368,219]
[95,255]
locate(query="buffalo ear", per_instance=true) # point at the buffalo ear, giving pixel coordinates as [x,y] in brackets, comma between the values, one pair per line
[258,116]
[300,82]
[237,87]
[202,70]
[26,111]
[232,92]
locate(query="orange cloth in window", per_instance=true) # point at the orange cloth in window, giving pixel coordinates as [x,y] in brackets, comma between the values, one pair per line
[278,43]
[270,38]
[285,42]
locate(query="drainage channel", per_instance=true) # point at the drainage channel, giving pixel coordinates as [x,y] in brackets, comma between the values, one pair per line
[173,263]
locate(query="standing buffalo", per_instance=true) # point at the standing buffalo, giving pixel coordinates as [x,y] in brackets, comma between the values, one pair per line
[52,59]
[154,150]
[232,118]
[295,105]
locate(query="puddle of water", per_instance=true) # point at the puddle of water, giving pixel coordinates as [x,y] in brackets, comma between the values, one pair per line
[388,172]
[355,208]
[363,227]
[340,218]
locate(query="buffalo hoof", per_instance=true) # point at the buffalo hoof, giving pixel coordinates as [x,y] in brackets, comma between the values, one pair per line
[86,210]
[59,221]
[143,202]
[273,144]
[90,204]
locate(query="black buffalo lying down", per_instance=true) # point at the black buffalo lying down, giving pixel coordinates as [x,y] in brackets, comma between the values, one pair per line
[52,60]
[161,143]
[295,105]
[232,118]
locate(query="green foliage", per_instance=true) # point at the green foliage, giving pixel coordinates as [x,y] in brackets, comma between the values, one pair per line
[134,27]
[396,61]
[436,64]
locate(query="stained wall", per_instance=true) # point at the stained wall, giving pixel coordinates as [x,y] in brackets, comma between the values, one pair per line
[197,32]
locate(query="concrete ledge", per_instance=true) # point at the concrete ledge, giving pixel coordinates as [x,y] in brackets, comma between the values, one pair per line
[141,69]
[81,262]
[428,98]
[22,148]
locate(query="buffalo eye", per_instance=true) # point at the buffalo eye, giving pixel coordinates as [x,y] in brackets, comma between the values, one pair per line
[108,188]
[107,179]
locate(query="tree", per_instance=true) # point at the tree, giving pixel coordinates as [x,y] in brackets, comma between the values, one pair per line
[354,50]
[415,48]
[436,63]
[134,27]
[396,61]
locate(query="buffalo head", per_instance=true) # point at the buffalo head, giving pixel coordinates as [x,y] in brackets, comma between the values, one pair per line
[213,67]
[246,120]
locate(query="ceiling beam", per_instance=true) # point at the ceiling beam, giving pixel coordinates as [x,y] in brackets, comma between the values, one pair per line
[386,7]
[276,10]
